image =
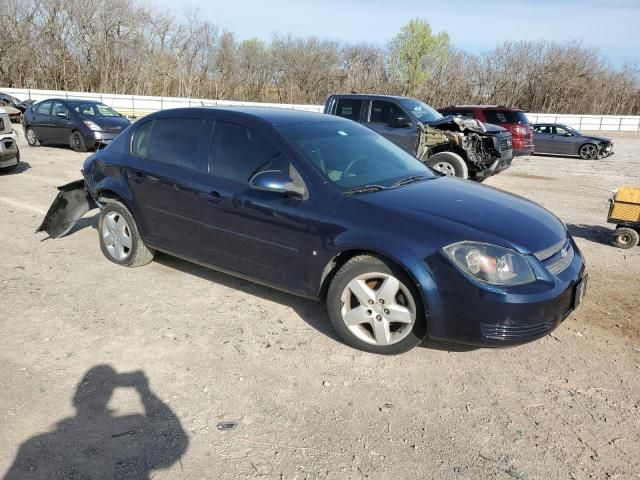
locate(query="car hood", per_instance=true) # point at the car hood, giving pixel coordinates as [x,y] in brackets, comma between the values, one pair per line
[597,139]
[456,210]
[109,123]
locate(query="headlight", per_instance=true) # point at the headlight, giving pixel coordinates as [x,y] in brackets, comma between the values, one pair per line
[91,125]
[490,263]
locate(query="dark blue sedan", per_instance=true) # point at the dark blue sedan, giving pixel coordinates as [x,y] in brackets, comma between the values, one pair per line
[324,208]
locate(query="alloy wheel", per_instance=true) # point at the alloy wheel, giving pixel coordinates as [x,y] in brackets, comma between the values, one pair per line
[117,236]
[378,309]
[588,151]
[31,136]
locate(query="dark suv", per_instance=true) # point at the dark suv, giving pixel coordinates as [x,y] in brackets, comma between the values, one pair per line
[325,208]
[454,146]
[514,120]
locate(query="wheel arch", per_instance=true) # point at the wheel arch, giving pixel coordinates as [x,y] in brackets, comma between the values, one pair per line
[335,263]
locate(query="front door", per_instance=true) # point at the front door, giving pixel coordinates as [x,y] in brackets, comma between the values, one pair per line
[60,124]
[381,117]
[264,235]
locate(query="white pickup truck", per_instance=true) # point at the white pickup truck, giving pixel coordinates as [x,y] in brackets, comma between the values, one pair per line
[9,153]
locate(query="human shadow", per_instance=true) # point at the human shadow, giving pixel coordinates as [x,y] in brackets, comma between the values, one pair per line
[593,233]
[95,444]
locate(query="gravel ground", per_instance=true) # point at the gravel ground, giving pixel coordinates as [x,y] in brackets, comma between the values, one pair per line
[210,348]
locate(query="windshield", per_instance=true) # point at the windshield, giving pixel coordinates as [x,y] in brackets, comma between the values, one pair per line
[93,109]
[421,110]
[351,155]
[575,131]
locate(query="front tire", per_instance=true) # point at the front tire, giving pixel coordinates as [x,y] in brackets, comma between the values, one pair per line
[625,238]
[76,142]
[374,306]
[120,240]
[449,163]
[588,151]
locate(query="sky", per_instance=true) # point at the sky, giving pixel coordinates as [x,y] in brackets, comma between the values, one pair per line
[611,25]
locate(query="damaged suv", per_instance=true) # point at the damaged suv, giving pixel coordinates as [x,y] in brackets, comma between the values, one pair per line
[466,148]
[9,153]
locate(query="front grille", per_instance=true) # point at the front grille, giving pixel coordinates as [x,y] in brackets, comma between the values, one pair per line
[542,255]
[560,264]
[516,331]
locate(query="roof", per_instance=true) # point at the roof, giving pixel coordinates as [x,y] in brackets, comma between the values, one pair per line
[371,95]
[273,116]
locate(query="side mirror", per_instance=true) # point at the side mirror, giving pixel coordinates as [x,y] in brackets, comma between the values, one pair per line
[400,122]
[276,181]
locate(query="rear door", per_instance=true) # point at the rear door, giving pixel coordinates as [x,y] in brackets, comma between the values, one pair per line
[42,121]
[264,235]
[381,114]
[168,160]
[543,138]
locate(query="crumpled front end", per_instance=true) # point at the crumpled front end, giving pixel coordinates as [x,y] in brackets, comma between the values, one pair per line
[71,204]
[605,149]
[486,152]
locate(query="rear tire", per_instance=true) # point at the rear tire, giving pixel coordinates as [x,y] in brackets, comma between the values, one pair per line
[32,139]
[76,142]
[120,240]
[449,163]
[625,238]
[374,306]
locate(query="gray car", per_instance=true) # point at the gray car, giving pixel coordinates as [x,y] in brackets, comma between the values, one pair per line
[561,139]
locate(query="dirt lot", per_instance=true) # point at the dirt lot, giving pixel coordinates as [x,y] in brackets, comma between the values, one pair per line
[215,348]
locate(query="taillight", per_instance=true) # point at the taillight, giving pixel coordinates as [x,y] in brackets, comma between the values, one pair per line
[521,129]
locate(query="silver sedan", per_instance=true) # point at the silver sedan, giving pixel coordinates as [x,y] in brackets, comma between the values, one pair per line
[561,139]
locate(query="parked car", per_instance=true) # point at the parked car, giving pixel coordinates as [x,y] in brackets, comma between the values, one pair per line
[9,152]
[322,207]
[514,120]
[565,140]
[453,146]
[7,100]
[81,124]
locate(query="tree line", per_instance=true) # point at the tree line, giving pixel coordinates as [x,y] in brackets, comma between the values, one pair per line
[124,46]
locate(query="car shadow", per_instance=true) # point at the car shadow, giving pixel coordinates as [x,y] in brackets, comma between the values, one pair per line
[312,312]
[22,166]
[593,233]
[95,443]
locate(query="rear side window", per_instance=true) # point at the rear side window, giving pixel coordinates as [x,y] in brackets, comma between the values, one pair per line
[176,141]
[140,139]
[238,152]
[462,113]
[349,108]
[384,112]
[505,116]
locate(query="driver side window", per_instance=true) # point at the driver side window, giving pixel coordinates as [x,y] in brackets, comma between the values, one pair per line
[384,112]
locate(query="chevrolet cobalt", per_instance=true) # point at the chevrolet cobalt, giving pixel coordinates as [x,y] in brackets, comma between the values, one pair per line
[325,208]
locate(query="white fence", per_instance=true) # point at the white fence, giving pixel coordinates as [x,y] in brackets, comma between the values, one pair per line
[136,106]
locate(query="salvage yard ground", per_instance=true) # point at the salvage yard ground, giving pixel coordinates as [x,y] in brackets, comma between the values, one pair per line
[215,348]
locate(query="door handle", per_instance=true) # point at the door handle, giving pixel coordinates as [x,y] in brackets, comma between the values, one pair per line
[212,196]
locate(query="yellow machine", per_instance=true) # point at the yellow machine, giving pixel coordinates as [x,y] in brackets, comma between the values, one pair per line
[624,211]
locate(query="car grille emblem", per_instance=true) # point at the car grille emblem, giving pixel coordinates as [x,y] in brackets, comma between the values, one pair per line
[564,252]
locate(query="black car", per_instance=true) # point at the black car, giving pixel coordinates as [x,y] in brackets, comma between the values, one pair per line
[325,208]
[81,124]
[461,147]
[561,139]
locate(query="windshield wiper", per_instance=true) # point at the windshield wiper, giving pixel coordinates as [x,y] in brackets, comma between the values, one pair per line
[364,189]
[408,180]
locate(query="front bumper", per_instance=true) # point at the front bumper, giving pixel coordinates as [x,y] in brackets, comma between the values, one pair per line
[95,137]
[467,312]
[9,153]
